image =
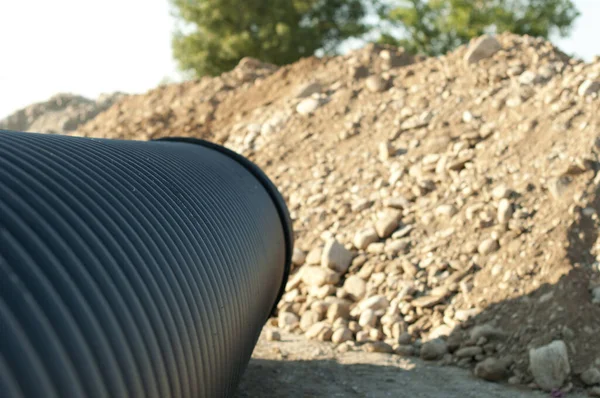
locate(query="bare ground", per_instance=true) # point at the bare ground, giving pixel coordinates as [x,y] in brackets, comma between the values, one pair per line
[295,367]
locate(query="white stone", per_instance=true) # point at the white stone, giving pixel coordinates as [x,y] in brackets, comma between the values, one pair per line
[336,257]
[308,106]
[549,365]
[365,237]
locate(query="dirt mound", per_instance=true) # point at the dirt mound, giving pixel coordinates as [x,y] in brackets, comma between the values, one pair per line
[61,114]
[444,207]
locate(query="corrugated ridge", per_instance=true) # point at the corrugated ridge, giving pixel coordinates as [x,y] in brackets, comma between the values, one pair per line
[163,258]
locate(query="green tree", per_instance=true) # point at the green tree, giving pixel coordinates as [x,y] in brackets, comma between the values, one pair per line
[215,34]
[436,26]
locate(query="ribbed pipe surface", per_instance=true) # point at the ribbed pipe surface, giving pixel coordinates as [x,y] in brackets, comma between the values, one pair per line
[133,269]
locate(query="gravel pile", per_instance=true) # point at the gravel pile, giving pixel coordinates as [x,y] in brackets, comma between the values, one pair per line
[445,208]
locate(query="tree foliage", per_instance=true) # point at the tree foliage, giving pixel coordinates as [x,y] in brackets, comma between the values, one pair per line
[215,34]
[434,27]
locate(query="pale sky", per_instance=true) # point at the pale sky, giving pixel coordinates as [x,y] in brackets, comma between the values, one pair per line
[94,47]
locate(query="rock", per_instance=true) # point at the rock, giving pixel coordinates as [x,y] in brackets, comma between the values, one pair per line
[320,331]
[314,256]
[549,365]
[488,331]
[355,287]
[388,223]
[491,369]
[374,303]
[481,48]
[427,301]
[367,318]
[446,210]
[386,150]
[434,349]
[501,192]
[273,335]
[589,87]
[336,257]
[468,352]
[338,310]
[298,257]
[378,346]
[362,336]
[591,376]
[308,106]
[596,295]
[594,392]
[319,276]
[376,84]
[308,89]
[287,320]
[488,246]
[405,350]
[397,246]
[405,339]
[308,319]
[505,211]
[365,237]
[341,336]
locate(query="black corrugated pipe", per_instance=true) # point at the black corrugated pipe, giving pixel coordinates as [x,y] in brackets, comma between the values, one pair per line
[133,269]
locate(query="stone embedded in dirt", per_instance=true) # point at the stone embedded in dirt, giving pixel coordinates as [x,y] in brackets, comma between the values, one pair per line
[308,89]
[355,287]
[374,303]
[397,202]
[378,346]
[505,211]
[405,339]
[273,335]
[386,151]
[427,301]
[491,369]
[594,392]
[365,237]
[362,336]
[404,350]
[488,246]
[338,310]
[434,349]
[589,87]
[308,319]
[468,352]
[341,336]
[298,257]
[287,320]
[376,84]
[596,295]
[319,276]
[396,246]
[320,331]
[367,318]
[308,106]
[481,48]
[591,376]
[314,256]
[486,331]
[336,257]
[388,223]
[446,210]
[549,365]
[502,191]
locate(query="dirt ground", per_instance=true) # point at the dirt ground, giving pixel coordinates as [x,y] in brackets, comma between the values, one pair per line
[295,367]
